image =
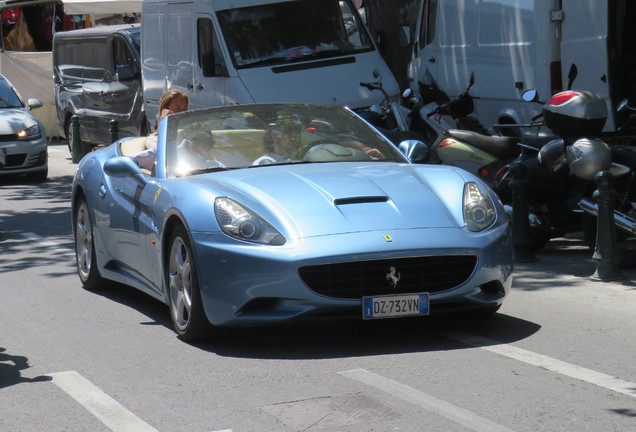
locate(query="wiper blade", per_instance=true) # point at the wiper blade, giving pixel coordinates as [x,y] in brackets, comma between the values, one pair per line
[281,163]
[208,170]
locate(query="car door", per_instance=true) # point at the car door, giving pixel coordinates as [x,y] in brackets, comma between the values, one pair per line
[125,214]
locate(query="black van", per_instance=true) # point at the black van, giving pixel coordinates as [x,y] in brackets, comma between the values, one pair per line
[97,76]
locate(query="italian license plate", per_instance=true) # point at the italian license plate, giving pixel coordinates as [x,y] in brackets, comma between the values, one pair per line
[395,306]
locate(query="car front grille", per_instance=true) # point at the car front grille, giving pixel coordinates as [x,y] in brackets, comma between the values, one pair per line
[353,280]
[8,137]
[15,160]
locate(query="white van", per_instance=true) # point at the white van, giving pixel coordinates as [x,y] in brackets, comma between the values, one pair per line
[515,45]
[240,51]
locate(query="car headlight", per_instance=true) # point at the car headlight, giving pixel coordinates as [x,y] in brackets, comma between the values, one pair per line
[242,224]
[30,133]
[479,210]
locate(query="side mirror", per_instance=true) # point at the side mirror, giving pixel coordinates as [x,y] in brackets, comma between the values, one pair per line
[125,72]
[34,103]
[530,95]
[414,150]
[121,167]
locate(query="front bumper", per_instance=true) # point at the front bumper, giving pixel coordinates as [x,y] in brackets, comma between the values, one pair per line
[252,285]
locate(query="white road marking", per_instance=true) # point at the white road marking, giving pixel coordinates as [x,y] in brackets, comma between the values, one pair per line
[110,412]
[452,412]
[587,375]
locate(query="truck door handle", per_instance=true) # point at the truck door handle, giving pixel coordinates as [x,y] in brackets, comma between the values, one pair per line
[431,60]
[200,86]
[189,86]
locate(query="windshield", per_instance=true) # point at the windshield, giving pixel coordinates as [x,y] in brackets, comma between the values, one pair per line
[8,97]
[286,32]
[252,136]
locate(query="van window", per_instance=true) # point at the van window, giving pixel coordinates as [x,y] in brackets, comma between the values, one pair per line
[82,58]
[427,25]
[125,64]
[207,45]
[287,32]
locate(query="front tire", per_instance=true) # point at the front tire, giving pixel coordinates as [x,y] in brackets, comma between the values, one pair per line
[85,249]
[186,309]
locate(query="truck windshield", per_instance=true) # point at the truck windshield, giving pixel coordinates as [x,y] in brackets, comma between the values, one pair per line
[287,32]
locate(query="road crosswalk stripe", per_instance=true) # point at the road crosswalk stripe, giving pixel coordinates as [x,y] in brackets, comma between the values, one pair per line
[459,415]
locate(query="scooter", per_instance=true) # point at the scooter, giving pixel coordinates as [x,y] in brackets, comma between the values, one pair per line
[457,137]
[560,174]
[389,118]
[623,169]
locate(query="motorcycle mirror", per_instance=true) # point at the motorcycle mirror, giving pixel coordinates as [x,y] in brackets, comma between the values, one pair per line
[530,95]
[622,105]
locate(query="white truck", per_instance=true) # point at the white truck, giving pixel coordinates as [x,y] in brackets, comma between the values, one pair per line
[515,45]
[240,51]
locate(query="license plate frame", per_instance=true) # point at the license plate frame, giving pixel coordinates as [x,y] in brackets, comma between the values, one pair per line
[395,306]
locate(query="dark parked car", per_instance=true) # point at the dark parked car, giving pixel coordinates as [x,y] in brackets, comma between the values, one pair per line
[97,76]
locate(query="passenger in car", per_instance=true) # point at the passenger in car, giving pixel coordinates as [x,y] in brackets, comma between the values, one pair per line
[172,101]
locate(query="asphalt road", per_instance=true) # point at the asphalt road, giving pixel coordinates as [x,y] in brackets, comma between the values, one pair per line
[559,356]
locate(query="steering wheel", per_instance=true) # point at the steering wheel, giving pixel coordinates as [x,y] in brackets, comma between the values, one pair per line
[330,152]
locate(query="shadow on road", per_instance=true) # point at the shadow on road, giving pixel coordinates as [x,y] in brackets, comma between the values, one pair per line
[360,339]
[11,367]
[335,340]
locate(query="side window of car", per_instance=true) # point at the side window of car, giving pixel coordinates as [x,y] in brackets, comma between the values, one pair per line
[208,48]
[123,59]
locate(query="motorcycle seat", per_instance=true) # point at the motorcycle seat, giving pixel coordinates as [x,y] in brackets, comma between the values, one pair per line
[498,146]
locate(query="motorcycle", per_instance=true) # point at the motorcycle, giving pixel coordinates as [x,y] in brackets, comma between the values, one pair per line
[457,137]
[623,168]
[560,174]
[389,118]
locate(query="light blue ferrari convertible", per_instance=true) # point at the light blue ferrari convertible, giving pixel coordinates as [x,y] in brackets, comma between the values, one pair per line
[278,213]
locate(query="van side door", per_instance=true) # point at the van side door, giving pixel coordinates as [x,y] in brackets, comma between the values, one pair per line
[446,42]
[210,72]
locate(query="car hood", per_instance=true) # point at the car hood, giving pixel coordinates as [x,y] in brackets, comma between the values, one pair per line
[321,199]
[13,120]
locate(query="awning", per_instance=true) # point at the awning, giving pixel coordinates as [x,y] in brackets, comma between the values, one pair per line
[104,7]
[76,7]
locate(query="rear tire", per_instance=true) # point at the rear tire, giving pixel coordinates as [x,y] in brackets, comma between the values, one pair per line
[85,249]
[186,308]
